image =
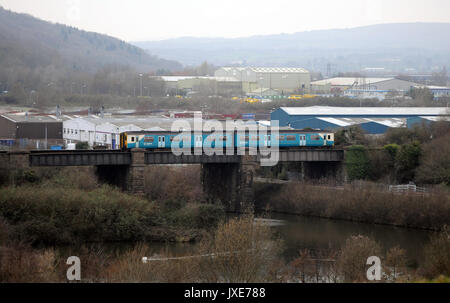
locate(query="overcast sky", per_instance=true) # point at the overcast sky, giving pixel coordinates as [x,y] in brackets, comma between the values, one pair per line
[138,20]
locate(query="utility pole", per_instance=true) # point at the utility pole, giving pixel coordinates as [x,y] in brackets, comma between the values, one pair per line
[140,76]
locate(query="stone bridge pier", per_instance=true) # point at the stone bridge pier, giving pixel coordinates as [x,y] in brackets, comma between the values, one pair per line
[13,164]
[230,184]
[130,177]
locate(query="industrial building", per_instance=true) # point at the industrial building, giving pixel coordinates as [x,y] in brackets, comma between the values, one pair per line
[30,131]
[359,85]
[437,91]
[285,80]
[374,120]
[222,86]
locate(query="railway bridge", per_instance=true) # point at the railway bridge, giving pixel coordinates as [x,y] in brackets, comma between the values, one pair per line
[226,178]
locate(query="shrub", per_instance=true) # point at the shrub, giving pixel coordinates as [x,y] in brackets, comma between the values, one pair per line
[63,215]
[357,163]
[244,252]
[434,165]
[195,215]
[82,145]
[407,160]
[437,255]
[353,257]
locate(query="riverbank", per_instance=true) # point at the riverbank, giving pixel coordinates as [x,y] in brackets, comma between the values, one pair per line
[63,215]
[366,204]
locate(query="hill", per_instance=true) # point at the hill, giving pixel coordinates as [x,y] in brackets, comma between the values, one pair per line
[32,43]
[420,46]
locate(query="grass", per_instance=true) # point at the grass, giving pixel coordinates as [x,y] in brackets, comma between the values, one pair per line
[365,203]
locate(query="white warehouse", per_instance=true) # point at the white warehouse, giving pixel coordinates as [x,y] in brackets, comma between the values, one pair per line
[283,79]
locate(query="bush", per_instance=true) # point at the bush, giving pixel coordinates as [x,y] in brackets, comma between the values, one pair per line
[63,215]
[353,257]
[82,145]
[407,161]
[197,216]
[357,162]
[434,165]
[437,255]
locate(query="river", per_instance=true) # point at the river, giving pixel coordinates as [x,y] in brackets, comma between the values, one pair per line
[299,233]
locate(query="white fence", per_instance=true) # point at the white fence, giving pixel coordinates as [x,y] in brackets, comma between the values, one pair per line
[407,188]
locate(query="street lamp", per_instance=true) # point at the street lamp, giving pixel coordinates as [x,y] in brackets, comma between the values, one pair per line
[140,76]
[31,93]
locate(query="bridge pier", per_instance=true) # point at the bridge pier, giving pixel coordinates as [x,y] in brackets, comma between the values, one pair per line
[135,174]
[13,164]
[230,184]
[115,175]
[318,170]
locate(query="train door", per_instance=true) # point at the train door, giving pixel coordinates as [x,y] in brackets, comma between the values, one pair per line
[161,141]
[198,141]
[302,139]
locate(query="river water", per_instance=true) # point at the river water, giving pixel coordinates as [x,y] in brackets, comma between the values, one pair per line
[318,234]
[298,233]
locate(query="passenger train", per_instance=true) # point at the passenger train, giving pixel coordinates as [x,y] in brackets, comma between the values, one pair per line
[284,139]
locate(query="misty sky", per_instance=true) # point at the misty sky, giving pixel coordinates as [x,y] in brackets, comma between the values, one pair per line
[138,20]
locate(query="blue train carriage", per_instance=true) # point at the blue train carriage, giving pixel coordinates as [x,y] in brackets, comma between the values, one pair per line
[286,139]
[165,139]
[296,138]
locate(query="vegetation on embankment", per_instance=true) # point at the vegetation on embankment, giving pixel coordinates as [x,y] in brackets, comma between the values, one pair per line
[59,207]
[362,202]
[420,154]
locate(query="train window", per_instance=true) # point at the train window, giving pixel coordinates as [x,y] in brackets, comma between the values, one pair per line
[329,137]
[280,138]
[148,139]
[290,138]
[315,137]
[132,139]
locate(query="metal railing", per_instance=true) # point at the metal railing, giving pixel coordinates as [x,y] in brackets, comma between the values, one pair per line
[407,188]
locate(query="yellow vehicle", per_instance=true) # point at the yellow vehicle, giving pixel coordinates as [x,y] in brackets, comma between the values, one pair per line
[251,100]
[308,96]
[235,98]
[295,97]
